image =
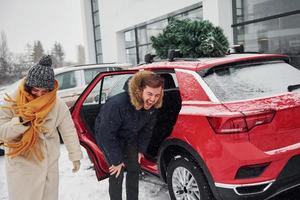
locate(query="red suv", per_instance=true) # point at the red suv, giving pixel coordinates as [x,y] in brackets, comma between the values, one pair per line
[229,127]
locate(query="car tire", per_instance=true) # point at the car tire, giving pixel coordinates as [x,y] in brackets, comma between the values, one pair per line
[180,173]
[2,152]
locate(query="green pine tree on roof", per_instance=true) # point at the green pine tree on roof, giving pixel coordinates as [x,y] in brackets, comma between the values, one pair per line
[193,38]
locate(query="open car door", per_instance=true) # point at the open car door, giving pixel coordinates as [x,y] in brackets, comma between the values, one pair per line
[87,107]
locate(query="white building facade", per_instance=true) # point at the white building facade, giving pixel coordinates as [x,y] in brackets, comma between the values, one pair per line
[120,30]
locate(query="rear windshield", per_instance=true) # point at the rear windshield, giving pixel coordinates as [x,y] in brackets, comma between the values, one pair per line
[251,80]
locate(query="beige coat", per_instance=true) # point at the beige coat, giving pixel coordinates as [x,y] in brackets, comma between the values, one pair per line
[35,180]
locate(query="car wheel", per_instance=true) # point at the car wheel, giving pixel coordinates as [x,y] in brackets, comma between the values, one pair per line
[187,181]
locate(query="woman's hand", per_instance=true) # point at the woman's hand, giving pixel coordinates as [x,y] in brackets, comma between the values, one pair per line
[76,166]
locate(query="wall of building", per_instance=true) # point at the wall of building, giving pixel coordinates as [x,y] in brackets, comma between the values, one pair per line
[117,16]
[88,32]
[219,12]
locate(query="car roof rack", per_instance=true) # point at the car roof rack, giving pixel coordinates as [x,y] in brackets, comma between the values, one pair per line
[176,55]
[149,58]
[173,55]
[240,49]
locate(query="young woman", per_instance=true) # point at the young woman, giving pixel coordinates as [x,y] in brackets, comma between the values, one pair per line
[29,124]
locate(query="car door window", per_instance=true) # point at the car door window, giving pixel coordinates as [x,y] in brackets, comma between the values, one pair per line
[90,74]
[66,80]
[106,88]
[117,84]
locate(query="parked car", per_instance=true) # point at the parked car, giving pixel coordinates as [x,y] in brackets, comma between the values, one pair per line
[229,127]
[72,81]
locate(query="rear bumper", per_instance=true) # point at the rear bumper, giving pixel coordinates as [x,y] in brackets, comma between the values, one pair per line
[288,178]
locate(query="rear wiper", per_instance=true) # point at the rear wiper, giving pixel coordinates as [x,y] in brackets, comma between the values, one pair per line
[293,87]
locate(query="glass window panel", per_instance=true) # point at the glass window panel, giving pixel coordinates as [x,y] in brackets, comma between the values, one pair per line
[143,50]
[255,9]
[90,74]
[130,38]
[196,14]
[179,16]
[109,86]
[280,35]
[156,28]
[97,33]
[238,3]
[95,5]
[131,56]
[98,47]
[96,19]
[142,35]
[66,80]
[99,58]
[93,98]
[116,84]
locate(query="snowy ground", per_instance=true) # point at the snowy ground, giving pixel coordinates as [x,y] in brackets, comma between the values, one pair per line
[84,184]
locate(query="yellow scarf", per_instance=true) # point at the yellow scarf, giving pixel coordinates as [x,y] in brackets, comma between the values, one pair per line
[34,110]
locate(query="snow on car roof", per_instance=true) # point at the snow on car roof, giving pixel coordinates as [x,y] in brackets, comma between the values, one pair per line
[201,63]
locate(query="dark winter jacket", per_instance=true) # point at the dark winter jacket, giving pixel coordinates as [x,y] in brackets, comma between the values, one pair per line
[119,122]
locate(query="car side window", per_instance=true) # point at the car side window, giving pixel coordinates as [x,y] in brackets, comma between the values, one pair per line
[66,80]
[170,81]
[119,85]
[107,87]
[90,74]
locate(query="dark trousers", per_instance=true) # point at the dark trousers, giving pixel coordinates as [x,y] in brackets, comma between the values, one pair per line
[132,176]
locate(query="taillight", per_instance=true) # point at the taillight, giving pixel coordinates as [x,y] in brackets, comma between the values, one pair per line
[244,123]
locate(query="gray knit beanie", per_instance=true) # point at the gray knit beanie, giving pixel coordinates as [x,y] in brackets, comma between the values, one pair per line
[41,74]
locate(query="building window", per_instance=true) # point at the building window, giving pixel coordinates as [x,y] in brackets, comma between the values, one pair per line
[195,14]
[268,26]
[131,56]
[130,45]
[137,40]
[97,31]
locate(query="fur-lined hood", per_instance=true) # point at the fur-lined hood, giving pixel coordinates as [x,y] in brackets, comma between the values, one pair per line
[135,91]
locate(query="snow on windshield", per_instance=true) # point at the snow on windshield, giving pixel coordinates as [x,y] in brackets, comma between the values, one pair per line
[252,81]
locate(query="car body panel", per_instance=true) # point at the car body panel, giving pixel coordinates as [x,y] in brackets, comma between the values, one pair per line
[190,88]
[285,127]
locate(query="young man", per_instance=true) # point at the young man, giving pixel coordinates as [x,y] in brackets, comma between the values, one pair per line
[123,130]
[29,124]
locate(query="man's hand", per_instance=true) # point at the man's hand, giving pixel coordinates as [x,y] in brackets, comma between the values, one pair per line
[76,166]
[140,156]
[116,169]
